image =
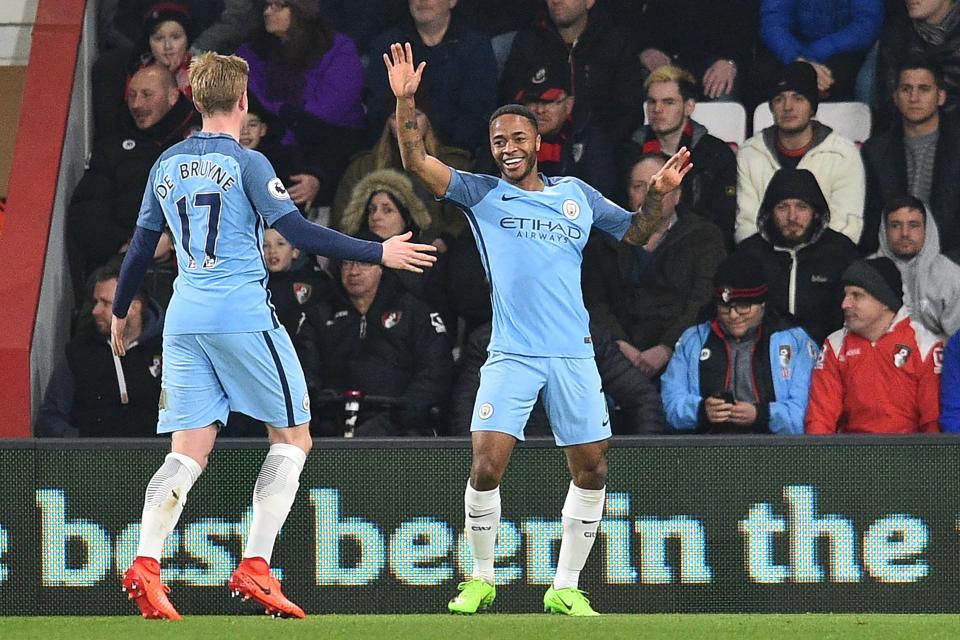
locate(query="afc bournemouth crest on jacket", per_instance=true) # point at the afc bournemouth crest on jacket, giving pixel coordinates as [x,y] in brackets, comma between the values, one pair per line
[901,355]
[156,368]
[785,355]
[302,291]
[391,319]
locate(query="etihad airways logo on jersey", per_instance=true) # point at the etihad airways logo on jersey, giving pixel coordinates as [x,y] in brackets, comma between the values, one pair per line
[539,229]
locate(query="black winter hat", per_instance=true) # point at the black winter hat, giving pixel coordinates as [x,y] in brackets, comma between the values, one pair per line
[879,277]
[740,278]
[797,76]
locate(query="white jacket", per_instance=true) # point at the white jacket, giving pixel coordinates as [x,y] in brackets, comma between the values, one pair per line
[931,282]
[834,160]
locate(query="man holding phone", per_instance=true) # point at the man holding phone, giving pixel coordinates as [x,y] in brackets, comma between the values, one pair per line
[746,369]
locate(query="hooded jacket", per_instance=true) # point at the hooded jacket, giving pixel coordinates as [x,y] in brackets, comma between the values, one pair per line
[83,396]
[931,282]
[833,159]
[804,280]
[702,364]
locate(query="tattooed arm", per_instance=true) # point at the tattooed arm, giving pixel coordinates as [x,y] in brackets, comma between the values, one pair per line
[648,218]
[404,81]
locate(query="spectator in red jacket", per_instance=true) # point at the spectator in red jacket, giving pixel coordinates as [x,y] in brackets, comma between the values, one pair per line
[881,372]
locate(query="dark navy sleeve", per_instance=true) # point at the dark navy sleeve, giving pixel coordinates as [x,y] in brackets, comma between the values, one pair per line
[607,216]
[151,215]
[467,189]
[135,264]
[321,241]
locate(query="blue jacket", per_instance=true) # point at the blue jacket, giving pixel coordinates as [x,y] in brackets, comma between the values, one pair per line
[819,29]
[700,367]
[950,387]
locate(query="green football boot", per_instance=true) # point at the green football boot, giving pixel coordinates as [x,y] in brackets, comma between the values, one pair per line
[474,595]
[570,601]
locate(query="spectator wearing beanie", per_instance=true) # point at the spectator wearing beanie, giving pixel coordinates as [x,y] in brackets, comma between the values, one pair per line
[746,368]
[881,372]
[796,140]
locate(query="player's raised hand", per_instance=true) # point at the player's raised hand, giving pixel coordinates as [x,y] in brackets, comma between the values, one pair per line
[404,80]
[671,174]
[117,327]
[409,256]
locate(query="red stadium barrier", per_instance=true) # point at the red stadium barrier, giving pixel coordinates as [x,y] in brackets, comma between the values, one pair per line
[30,198]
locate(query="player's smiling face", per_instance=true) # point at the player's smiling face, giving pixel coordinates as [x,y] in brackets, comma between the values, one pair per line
[514,143]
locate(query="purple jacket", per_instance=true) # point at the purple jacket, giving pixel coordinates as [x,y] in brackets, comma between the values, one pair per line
[331,90]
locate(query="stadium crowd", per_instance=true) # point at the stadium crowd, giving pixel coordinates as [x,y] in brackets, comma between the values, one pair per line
[801,282]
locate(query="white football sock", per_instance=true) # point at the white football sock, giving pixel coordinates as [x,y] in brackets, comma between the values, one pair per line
[273,496]
[163,503]
[482,511]
[582,512]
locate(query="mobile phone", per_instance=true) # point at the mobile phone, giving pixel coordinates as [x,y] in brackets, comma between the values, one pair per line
[726,396]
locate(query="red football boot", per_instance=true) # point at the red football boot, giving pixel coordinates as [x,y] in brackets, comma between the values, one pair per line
[253,580]
[143,585]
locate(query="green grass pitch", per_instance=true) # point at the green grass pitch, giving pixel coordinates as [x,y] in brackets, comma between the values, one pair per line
[493,626]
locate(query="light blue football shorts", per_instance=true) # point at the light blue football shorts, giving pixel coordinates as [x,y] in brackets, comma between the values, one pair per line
[205,376]
[572,397]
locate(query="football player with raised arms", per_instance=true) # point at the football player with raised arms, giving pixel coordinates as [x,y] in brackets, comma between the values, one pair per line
[223,347]
[530,230]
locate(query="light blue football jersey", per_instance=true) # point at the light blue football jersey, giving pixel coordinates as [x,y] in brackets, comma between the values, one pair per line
[215,197]
[531,244]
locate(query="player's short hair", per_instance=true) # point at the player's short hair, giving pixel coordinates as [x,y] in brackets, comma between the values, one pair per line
[686,83]
[516,110]
[217,81]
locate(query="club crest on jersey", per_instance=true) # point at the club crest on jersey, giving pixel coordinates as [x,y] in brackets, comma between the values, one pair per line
[570,209]
[704,354]
[901,355]
[302,291]
[391,319]
[821,357]
[276,190]
[485,411]
[306,402]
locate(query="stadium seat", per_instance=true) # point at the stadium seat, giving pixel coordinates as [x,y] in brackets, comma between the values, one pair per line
[852,120]
[725,120]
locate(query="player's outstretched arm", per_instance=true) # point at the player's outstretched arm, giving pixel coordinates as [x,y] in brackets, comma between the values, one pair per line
[404,81]
[395,253]
[648,218]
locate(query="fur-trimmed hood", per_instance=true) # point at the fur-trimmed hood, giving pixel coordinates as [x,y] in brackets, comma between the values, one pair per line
[392,181]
